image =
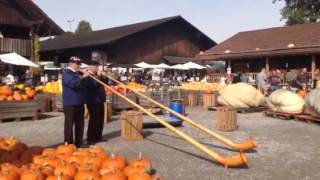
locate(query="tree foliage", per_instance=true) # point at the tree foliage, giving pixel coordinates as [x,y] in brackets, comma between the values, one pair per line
[83,26]
[300,11]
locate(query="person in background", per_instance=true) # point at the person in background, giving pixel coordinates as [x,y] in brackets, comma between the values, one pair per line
[261,80]
[315,78]
[27,78]
[302,79]
[244,78]
[291,77]
[74,97]
[274,81]
[236,78]
[9,79]
[96,97]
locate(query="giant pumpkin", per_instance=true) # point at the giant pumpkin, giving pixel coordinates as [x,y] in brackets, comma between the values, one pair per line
[285,101]
[241,95]
[312,103]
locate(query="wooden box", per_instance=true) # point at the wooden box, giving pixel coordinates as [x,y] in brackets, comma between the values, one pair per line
[226,118]
[121,104]
[131,125]
[210,99]
[192,98]
[19,109]
[107,111]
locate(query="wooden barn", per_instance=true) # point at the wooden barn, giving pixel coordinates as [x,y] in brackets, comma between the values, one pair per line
[284,48]
[20,22]
[148,41]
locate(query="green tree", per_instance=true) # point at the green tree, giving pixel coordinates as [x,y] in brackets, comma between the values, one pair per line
[300,11]
[36,51]
[83,26]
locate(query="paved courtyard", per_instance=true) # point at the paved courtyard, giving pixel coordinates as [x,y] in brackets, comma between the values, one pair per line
[286,149]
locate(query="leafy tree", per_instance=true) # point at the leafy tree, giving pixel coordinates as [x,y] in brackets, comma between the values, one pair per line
[83,26]
[36,51]
[300,11]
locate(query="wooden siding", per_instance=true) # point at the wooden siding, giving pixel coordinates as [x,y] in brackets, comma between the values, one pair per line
[20,46]
[150,46]
[10,15]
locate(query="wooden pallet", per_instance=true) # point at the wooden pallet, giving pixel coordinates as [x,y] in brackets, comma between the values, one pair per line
[307,118]
[14,110]
[279,115]
[241,110]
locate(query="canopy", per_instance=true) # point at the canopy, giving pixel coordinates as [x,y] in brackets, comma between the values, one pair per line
[191,65]
[16,59]
[144,65]
[161,66]
[179,66]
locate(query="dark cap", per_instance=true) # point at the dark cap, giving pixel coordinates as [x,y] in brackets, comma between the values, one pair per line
[75,59]
[93,63]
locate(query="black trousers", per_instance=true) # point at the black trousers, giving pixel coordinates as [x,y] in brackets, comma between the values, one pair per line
[96,121]
[74,115]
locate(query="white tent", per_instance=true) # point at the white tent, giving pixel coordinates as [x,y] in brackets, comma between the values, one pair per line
[191,65]
[144,65]
[161,66]
[16,59]
[179,66]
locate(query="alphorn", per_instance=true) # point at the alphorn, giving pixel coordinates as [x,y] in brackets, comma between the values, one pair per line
[233,161]
[247,145]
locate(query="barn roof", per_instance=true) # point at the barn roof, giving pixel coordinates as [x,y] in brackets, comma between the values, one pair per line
[278,41]
[106,36]
[47,25]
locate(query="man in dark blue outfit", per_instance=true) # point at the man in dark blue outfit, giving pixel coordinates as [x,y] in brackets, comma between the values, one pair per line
[96,98]
[74,94]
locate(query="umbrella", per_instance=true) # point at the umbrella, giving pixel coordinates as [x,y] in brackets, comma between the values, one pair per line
[179,66]
[144,65]
[191,65]
[162,66]
[16,59]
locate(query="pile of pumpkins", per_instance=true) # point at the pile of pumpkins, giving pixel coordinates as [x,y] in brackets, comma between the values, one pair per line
[66,162]
[202,86]
[54,87]
[16,93]
[137,87]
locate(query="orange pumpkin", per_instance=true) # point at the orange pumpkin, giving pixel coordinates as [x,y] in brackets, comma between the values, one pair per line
[66,148]
[141,162]
[60,177]
[31,93]
[302,93]
[65,169]
[48,152]
[2,97]
[9,98]
[24,97]
[6,90]
[9,175]
[132,169]
[114,161]
[32,174]
[140,176]
[16,96]
[88,167]
[112,174]
[86,175]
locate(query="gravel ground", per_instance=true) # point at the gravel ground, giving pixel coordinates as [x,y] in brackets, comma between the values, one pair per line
[286,149]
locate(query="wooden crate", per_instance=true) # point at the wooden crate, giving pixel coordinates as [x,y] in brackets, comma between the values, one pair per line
[227,119]
[307,118]
[143,101]
[120,104]
[57,103]
[131,125]
[17,110]
[108,111]
[192,98]
[44,102]
[209,100]
[200,98]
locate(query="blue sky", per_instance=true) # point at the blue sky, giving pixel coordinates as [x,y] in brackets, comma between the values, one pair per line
[219,19]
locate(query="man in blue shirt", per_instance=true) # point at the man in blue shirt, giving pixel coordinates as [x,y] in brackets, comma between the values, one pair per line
[96,97]
[74,93]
